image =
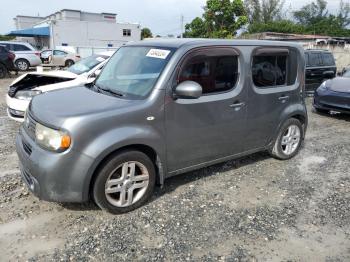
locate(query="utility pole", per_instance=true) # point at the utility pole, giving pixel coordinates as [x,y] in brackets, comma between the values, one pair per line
[182,25]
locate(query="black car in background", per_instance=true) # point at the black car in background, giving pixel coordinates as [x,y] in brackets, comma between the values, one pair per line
[320,65]
[333,95]
[6,62]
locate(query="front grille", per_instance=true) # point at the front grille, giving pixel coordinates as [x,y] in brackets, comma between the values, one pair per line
[12,91]
[30,124]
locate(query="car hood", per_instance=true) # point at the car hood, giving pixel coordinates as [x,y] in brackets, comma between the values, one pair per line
[53,108]
[339,84]
[56,73]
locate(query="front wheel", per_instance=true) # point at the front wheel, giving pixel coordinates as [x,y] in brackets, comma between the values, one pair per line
[289,140]
[125,182]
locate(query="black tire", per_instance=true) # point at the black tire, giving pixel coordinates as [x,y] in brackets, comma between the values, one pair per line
[277,150]
[69,63]
[105,171]
[22,64]
[3,71]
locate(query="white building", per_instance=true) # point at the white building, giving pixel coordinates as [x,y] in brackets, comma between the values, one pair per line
[75,28]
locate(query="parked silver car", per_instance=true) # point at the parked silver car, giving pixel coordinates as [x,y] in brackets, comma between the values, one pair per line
[26,55]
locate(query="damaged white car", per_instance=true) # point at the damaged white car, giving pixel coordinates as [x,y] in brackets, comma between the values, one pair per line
[25,87]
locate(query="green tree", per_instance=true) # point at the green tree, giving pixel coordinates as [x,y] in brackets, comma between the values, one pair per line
[264,11]
[312,13]
[6,38]
[146,33]
[221,19]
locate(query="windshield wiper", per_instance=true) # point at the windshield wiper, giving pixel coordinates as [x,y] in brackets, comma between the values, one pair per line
[110,91]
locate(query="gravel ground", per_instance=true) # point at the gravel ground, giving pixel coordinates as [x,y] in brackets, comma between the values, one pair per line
[252,209]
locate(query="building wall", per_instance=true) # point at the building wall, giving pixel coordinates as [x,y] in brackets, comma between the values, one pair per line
[98,34]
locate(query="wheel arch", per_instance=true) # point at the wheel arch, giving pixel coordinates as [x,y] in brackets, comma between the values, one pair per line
[146,149]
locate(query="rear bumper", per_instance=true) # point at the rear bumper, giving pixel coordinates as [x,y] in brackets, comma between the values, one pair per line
[333,101]
[51,176]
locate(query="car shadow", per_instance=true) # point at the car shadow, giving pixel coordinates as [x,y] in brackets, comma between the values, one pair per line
[172,183]
[339,116]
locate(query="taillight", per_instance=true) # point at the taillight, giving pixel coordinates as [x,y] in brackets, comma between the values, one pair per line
[37,54]
[77,56]
[11,56]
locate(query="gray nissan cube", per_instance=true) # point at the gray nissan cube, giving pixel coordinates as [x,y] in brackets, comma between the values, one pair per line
[161,108]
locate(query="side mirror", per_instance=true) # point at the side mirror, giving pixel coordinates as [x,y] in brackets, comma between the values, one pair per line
[188,90]
[328,74]
[95,74]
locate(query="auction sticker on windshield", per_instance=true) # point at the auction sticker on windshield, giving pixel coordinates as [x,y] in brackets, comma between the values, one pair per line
[158,53]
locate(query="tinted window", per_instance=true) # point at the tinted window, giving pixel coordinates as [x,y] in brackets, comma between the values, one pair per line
[314,59]
[17,47]
[213,73]
[2,49]
[328,59]
[269,70]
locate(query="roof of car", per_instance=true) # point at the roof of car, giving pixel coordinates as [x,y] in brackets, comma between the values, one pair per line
[180,42]
[318,50]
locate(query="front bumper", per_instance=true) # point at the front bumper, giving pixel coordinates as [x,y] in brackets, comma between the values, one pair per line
[59,177]
[332,101]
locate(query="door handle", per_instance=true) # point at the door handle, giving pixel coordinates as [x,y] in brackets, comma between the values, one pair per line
[237,105]
[283,98]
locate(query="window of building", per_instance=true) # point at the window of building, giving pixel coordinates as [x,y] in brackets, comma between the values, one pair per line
[269,70]
[126,32]
[17,47]
[214,73]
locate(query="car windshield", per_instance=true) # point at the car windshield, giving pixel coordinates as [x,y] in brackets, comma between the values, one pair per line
[346,74]
[133,71]
[87,64]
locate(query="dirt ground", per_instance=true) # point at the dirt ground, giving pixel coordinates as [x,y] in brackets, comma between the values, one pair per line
[252,209]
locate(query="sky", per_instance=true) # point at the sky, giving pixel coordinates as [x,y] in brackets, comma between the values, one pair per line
[161,16]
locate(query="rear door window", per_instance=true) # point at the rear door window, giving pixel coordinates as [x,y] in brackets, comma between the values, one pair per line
[269,70]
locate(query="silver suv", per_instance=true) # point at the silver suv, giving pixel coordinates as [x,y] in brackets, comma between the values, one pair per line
[26,55]
[158,109]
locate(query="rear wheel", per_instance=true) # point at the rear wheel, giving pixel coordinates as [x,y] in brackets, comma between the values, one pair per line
[69,63]
[125,182]
[22,64]
[3,71]
[289,140]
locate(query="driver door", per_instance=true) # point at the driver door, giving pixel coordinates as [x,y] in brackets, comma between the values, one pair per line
[212,126]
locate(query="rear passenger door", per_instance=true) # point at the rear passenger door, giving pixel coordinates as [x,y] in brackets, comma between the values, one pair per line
[269,97]
[59,57]
[212,126]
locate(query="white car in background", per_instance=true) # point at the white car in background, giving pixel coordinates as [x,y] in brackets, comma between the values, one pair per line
[25,87]
[26,55]
[58,58]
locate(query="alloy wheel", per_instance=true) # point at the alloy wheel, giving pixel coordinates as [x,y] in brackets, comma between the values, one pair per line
[291,139]
[127,184]
[22,65]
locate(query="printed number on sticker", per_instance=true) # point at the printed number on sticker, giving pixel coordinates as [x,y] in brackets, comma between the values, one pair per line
[158,53]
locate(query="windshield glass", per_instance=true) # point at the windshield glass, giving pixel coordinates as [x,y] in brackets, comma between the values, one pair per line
[133,71]
[87,64]
[346,74]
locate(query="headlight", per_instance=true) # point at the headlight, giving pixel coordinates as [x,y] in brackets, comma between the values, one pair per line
[52,139]
[27,94]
